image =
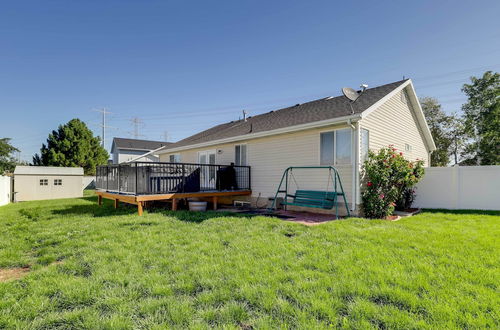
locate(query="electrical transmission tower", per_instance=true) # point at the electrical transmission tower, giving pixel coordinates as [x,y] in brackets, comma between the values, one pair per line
[136,122]
[165,136]
[104,112]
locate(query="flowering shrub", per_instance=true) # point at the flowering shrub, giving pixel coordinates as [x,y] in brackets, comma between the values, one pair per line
[390,179]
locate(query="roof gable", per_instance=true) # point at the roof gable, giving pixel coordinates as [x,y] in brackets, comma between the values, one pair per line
[415,107]
[143,145]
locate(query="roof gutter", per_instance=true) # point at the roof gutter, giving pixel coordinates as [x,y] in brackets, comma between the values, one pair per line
[317,124]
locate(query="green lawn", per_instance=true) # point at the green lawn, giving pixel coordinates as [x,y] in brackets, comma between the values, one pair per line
[97,267]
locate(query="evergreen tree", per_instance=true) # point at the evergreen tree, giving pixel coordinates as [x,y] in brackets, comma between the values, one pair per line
[72,145]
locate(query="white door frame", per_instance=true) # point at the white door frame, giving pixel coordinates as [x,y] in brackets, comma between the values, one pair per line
[207,180]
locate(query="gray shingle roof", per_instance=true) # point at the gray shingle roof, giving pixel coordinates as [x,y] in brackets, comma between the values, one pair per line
[318,110]
[124,143]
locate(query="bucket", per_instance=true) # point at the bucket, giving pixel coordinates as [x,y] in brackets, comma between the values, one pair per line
[197,206]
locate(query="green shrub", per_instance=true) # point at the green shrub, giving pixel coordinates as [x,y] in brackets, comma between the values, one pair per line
[390,179]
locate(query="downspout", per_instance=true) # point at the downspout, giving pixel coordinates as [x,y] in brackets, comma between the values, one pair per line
[354,140]
[357,197]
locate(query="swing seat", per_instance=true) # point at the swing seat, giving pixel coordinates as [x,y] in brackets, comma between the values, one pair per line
[314,198]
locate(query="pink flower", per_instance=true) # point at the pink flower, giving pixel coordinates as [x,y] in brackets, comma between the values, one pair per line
[369,184]
[381,196]
[401,154]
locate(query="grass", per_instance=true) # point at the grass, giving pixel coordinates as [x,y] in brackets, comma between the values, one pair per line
[94,267]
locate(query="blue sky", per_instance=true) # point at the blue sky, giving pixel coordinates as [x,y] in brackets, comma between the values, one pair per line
[183,66]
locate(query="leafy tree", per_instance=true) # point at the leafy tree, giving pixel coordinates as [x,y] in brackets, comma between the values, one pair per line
[73,144]
[7,162]
[459,138]
[482,119]
[440,125]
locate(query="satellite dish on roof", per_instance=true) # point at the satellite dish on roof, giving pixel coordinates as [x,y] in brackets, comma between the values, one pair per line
[350,93]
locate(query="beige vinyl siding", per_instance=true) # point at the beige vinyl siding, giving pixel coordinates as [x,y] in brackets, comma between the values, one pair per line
[124,155]
[270,156]
[394,123]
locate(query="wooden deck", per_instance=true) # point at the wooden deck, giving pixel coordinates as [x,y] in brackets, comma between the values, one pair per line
[140,200]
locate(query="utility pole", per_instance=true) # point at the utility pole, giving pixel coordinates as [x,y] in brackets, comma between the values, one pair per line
[136,122]
[103,125]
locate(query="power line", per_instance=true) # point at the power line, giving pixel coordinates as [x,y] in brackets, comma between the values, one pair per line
[103,125]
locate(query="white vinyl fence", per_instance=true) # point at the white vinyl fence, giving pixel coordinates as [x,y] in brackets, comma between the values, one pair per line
[5,189]
[465,187]
[88,182]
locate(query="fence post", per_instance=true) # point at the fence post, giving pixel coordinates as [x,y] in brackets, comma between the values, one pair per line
[136,178]
[119,183]
[107,178]
[249,178]
[183,177]
[456,183]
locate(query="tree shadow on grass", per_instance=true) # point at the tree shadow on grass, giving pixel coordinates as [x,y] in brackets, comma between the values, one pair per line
[94,210]
[478,212]
[107,210]
[198,217]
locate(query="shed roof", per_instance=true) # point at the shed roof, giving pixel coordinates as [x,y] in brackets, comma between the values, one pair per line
[47,170]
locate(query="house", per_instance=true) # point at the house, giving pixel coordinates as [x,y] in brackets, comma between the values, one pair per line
[124,150]
[46,182]
[332,131]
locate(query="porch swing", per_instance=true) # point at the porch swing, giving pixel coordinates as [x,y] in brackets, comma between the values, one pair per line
[326,199]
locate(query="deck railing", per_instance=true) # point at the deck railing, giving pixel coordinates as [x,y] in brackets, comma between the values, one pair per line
[142,178]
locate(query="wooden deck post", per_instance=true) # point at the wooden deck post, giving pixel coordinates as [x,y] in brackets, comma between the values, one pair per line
[139,208]
[142,200]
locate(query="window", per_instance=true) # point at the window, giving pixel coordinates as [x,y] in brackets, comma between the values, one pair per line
[44,182]
[240,154]
[175,158]
[335,147]
[343,146]
[365,144]
[57,182]
[408,147]
[326,148]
